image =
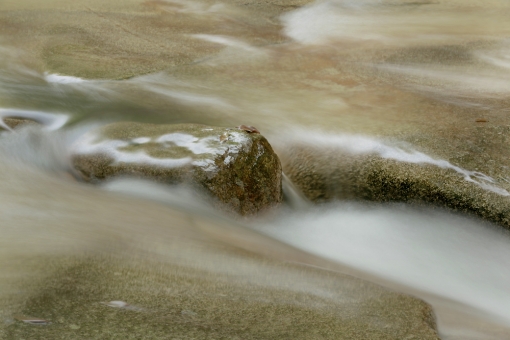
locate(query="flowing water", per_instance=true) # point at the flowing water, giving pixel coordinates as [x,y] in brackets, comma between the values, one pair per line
[406,80]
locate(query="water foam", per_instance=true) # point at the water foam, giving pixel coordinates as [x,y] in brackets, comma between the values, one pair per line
[36,148]
[60,79]
[231,43]
[227,41]
[395,22]
[451,82]
[192,7]
[50,121]
[322,21]
[499,57]
[92,144]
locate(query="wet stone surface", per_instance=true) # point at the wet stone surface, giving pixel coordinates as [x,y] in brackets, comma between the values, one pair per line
[237,167]
[338,174]
[211,307]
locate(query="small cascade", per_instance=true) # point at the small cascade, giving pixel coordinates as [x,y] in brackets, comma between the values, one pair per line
[293,196]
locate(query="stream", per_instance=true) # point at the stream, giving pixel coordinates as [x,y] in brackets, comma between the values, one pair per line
[421,82]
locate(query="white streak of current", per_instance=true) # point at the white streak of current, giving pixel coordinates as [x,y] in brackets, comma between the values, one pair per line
[92,144]
[227,41]
[188,98]
[464,83]
[192,143]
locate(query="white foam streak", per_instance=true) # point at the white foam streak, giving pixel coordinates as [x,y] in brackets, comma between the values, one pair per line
[227,41]
[192,143]
[456,83]
[499,57]
[50,121]
[60,79]
[141,157]
[323,21]
[92,143]
[395,22]
[189,98]
[193,7]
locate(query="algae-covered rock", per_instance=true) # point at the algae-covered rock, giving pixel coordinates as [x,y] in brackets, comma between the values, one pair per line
[236,166]
[339,174]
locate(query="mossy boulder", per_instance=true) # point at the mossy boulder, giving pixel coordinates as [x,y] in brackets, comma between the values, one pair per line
[332,173]
[237,167]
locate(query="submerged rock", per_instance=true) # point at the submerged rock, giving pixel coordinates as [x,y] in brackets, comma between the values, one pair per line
[220,305]
[237,167]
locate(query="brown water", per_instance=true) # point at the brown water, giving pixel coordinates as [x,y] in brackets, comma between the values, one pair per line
[422,82]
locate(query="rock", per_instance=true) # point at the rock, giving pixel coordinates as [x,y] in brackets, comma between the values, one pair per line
[15,123]
[237,167]
[337,174]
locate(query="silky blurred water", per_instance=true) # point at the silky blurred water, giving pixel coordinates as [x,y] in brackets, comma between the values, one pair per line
[360,76]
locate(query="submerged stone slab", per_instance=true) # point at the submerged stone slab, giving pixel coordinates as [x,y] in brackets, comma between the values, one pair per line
[236,166]
[162,301]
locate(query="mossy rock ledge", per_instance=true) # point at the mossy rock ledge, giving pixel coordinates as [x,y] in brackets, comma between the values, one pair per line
[237,167]
[331,174]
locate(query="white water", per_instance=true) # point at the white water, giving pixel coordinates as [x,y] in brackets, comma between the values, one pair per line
[434,252]
[387,22]
[50,121]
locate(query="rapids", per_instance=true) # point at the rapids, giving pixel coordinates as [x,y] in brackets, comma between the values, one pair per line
[423,82]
